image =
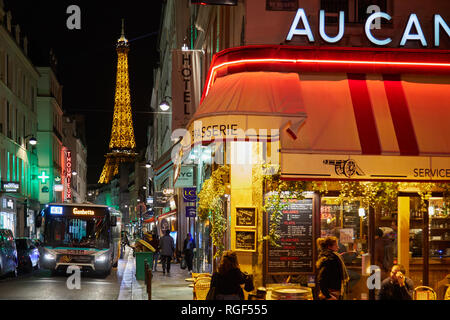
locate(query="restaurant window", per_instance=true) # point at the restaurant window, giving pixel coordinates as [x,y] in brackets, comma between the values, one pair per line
[332,9]
[363,5]
[281,5]
[348,222]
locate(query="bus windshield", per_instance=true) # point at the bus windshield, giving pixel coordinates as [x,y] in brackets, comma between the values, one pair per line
[69,231]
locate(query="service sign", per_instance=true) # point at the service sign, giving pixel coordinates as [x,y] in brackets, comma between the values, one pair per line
[365,167]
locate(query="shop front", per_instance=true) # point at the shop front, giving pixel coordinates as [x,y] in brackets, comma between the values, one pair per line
[327,141]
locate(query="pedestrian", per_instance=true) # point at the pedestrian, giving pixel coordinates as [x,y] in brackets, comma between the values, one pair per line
[167,248]
[397,286]
[188,251]
[332,275]
[226,284]
[155,244]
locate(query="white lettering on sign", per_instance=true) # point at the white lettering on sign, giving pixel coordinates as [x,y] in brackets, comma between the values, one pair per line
[413,30]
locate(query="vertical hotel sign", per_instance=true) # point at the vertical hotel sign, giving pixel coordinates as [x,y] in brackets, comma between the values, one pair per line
[69,174]
[186,85]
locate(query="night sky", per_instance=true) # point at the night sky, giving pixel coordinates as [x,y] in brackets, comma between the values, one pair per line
[87,60]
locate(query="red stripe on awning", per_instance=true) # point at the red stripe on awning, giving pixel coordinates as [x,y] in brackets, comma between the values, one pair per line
[401,116]
[365,120]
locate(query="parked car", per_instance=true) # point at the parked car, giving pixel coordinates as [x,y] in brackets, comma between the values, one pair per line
[27,254]
[8,253]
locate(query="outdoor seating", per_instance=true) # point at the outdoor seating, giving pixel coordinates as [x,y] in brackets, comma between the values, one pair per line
[424,293]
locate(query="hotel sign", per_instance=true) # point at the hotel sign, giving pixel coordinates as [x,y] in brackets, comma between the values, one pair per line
[411,32]
[365,167]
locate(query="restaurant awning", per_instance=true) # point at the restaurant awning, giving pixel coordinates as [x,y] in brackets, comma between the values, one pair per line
[381,112]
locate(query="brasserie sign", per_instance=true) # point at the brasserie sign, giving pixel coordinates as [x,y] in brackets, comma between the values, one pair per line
[411,32]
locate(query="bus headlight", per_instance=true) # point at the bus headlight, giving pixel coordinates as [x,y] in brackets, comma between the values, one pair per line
[101,258]
[49,256]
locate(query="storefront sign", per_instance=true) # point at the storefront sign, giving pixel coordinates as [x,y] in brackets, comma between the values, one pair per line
[411,32]
[12,187]
[161,200]
[186,86]
[43,177]
[190,194]
[365,167]
[191,212]
[185,178]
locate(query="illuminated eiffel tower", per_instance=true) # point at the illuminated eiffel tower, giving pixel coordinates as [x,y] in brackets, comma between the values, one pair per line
[122,144]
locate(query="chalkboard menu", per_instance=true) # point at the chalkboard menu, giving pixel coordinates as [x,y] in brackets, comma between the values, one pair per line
[351,218]
[245,217]
[246,240]
[295,255]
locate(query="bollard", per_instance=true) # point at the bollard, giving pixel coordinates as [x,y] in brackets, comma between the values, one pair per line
[149,283]
[145,270]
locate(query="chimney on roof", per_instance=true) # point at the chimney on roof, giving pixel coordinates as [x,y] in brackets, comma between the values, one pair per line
[25,45]
[2,11]
[8,21]
[17,34]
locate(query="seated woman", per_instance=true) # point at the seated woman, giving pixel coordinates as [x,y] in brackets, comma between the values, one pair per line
[227,282]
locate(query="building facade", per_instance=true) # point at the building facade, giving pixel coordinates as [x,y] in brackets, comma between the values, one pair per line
[75,160]
[18,124]
[51,152]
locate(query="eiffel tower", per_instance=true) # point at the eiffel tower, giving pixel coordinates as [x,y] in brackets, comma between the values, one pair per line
[122,144]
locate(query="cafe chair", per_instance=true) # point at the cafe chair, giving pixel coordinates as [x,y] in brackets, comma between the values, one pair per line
[201,289]
[424,293]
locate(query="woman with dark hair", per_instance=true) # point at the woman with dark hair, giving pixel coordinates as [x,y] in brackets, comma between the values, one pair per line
[332,275]
[226,283]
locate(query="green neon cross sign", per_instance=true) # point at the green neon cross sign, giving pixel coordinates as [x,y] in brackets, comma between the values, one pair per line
[43,176]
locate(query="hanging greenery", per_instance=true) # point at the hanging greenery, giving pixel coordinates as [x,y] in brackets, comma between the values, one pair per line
[211,205]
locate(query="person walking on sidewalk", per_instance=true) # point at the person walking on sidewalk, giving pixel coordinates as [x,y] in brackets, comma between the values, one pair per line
[167,248]
[188,251]
[155,244]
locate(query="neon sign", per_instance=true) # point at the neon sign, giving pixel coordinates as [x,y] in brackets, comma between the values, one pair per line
[69,174]
[408,35]
[43,176]
[82,212]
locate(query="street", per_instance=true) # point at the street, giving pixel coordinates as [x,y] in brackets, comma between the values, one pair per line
[121,284]
[40,285]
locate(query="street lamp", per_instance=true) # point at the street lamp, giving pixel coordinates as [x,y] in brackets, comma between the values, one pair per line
[164,105]
[32,141]
[74,173]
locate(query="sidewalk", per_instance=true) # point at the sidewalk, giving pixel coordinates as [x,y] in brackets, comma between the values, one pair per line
[164,287]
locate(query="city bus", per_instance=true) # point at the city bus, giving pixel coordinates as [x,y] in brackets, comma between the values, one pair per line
[83,235]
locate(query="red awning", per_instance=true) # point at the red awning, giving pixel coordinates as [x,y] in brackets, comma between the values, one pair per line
[401,109]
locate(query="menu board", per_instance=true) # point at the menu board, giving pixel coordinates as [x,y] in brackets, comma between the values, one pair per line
[245,217]
[246,240]
[295,255]
[351,218]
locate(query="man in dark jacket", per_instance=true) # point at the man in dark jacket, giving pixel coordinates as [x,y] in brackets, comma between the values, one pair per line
[397,286]
[188,251]
[167,247]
